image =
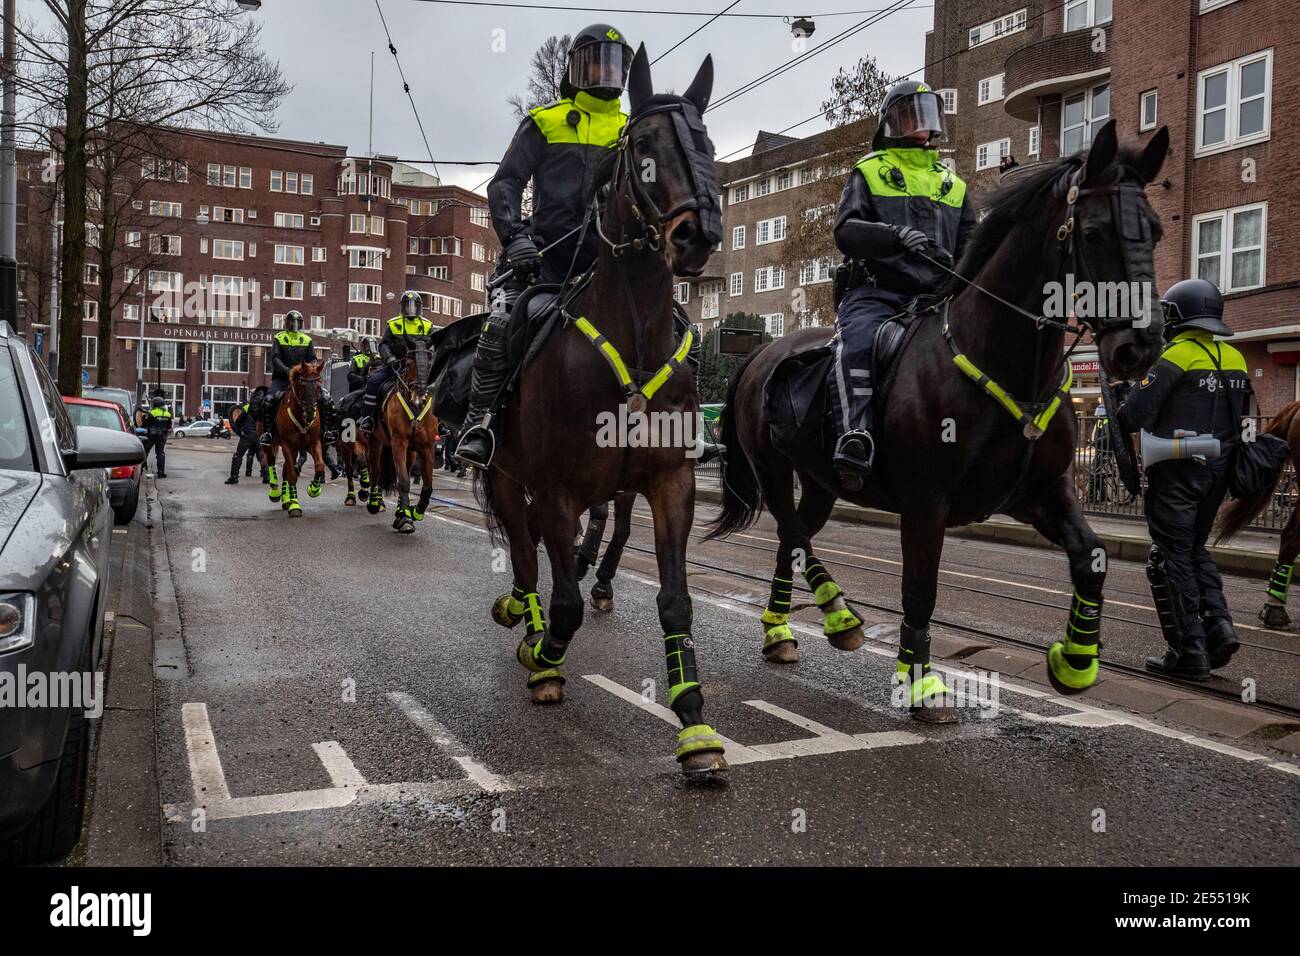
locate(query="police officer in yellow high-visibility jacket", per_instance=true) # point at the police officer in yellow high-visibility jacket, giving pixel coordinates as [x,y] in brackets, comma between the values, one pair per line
[558,146]
[405,330]
[159,426]
[1199,386]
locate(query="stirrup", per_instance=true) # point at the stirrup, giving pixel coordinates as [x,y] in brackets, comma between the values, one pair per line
[481,428]
[850,466]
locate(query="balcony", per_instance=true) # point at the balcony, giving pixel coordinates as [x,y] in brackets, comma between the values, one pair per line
[1053,65]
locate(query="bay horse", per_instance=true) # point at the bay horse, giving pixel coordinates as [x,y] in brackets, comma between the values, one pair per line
[297,428]
[404,435]
[616,351]
[602,592]
[1239,512]
[948,455]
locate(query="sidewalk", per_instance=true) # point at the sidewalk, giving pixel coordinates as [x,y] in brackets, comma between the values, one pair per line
[1251,552]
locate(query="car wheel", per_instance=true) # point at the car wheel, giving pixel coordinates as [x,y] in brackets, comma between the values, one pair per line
[126,510]
[57,826]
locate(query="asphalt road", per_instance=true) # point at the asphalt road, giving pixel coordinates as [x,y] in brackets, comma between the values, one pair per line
[345,699]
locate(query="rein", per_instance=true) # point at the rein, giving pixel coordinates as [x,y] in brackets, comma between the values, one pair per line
[302,429]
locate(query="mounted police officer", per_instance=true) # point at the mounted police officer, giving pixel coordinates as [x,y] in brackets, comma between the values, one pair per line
[1199,386]
[899,204]
[407,329]
[158,426]
[359,365]
[558,146]
[291,347]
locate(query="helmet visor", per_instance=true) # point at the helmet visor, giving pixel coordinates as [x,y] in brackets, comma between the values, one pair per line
[918,113]
[602,66]
[411,306]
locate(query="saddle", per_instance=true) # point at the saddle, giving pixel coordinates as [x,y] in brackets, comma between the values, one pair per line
[796,395]
[532,319]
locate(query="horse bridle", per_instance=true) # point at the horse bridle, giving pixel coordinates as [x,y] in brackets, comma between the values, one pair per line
[293,387]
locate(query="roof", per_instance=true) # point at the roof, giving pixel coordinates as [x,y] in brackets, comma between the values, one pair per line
[766,141]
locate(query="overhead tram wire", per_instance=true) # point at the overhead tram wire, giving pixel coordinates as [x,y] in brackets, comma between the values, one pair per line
[695,31]
[897,7]
[920,69]
[407,87]
[658,13]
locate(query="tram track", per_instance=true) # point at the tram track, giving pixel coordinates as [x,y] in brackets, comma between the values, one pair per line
[1286,711]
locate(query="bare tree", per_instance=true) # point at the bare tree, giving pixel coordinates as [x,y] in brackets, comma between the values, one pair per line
[857,92]
[110,70]
[546,71]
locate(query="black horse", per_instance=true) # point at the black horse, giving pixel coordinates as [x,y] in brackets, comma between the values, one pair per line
[948,455]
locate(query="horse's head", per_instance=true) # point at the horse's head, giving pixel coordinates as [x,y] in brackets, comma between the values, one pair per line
[415,372]
[1110,234]
[304,382]
[666,174]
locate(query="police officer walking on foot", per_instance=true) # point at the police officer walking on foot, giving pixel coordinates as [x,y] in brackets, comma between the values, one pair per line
[246,428]
[1198,387]
[158,427]
[558,146]
[900,204]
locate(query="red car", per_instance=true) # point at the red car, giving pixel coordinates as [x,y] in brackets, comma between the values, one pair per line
[124,480]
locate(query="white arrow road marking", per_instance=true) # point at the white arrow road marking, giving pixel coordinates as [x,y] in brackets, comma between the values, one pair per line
[440,735]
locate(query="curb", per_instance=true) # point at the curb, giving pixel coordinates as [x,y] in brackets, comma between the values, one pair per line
[1127,547]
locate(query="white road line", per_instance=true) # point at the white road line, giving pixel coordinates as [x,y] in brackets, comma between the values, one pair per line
[442,737]
[343,773]
[205,765]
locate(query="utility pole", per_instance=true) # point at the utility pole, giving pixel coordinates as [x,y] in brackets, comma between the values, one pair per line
[8,177]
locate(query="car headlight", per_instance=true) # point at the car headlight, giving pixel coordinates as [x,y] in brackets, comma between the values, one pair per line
[17,621]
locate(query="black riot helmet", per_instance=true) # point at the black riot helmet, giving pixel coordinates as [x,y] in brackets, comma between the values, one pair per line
[599,60]
[1193,304]
[368,346]
[156,402]
[293,320]
[910,109]
[412,305]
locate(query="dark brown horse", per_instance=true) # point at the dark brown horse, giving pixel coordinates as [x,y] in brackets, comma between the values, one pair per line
[404,436]
[1239,512]
[602,592]
[297,428]
[660,217]
[948,455]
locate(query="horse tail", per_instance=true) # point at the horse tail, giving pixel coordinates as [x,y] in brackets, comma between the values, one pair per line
[1241,511]
[742,497]
[483,494]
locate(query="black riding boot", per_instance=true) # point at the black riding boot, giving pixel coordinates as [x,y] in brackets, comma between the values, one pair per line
[477,443]
[1220,641]
[853,457]
[1189,659]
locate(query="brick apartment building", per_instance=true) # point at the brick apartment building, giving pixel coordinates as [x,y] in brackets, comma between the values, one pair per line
[1035,78]
[220,245]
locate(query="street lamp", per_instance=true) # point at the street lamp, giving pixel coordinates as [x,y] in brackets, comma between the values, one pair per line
[252,6]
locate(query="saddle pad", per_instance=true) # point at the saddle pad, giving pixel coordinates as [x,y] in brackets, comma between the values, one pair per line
[795,399]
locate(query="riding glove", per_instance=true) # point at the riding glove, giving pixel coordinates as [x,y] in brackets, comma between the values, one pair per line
[913,240]
[523,256]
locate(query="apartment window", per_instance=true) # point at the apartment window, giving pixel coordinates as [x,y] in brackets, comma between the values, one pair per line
[92,273]
[90,309]
[227,214]
[762,187]
[784,180]
[1233,103]
[363,292]
[1086,13]
[214,174]
[989,155]
[291,182]
[89,350]
[318,288]
[227,249]
[769,230]
[479,216]
[317,253]
[476,281]
[447,246]
[413,246]
[168,356]
[994,29]
[769,278]
[815,270]
[1148,110]
[277,181]
[774,323]
[133,239]
[357,222]
[1228,247]
[364,326]
[306,184]
[288,220]
[160,208]
[164,245]
[478,252]
[949,98]
[376,225]
[131,275]
[226,358]
[740,193]
[439,272]
[289,255]
[813,213]
[1035,140]
[227,285]
[165,281]
[737,283]
[738,237]
[366,258]
[1081,116]
[809,174]
[230,176]
[252,250]
[682,292]
[288,289]
[991,89]
[245,177]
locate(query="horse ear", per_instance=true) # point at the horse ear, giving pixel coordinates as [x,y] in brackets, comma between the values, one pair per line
[639,86]
[701,87]
[1102,153]
[1153,157]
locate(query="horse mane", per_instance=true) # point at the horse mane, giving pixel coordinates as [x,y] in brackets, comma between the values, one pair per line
[1018,200]
[604,171]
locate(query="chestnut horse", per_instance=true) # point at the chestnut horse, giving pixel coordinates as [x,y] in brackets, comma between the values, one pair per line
[404,434]
[297,428]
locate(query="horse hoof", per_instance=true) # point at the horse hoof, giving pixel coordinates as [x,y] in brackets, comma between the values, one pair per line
[501,612]
[704,764]
[785,652]
[284,506]
[295,512]
[602,603]
[849,640]
[549,691]
[1274,615]
[935,713]
[350,501]
[313,491]
[372,508]
[405,526]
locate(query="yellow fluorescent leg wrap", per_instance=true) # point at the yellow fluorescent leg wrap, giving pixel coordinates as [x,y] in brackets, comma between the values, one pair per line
[776,629]
[929,686]
[839,621]
[698,738]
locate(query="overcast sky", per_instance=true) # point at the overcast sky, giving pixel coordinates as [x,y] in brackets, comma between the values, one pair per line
[460,85]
